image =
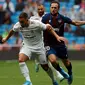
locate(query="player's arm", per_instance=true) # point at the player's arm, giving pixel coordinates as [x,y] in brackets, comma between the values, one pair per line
[78,23]
[15,28]
[73,22]
[50,29]
[11,32]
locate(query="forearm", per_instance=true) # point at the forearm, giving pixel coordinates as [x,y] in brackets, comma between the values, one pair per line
[57,36]
[50,29]
[54,33]
[11,32]
[78,23]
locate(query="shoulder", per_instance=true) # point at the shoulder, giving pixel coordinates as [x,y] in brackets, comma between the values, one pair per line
[35,18]
[35,22]
[63,17]
[32,17]
[47,15]
[17,25]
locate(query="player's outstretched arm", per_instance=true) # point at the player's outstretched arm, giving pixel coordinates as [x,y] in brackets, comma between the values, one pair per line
[78,23]
[11,32]
[50,29]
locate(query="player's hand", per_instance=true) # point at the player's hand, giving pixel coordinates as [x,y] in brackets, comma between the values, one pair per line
[62,39]
[3,40]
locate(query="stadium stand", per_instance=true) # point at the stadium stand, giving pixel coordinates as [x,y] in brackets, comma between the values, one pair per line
[67,4]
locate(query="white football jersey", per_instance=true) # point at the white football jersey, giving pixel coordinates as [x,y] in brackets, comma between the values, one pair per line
[36,17]
[33,34]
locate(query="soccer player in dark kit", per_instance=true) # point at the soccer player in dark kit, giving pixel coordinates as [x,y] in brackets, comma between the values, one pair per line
[54,48]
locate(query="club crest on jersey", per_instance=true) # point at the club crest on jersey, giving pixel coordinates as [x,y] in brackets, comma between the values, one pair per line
[49,21]
[60,21]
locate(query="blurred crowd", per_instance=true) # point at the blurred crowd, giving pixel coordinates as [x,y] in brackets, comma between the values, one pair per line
[10,9]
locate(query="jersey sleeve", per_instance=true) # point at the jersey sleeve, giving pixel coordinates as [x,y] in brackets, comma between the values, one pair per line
[67,20]
[32,18]
[42,25]
[35,18]
[16,27]
[44,18]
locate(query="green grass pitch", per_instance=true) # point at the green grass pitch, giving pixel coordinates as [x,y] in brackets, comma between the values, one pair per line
[10,74]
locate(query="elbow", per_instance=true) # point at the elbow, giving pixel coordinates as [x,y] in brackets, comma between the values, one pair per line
[76,24]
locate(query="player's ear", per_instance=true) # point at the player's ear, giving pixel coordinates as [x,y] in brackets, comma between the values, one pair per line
[27,19]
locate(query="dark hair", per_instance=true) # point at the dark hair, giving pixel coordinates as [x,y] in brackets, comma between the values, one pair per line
[56,3]
[40,5]
[23,15]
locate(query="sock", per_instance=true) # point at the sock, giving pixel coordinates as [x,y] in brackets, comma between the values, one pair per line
[24,70]
[69,68]
[62,72]
[36,62]
[56,66]
[50,73]
[59,75]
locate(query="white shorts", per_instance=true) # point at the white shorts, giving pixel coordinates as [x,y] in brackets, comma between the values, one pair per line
[39,54]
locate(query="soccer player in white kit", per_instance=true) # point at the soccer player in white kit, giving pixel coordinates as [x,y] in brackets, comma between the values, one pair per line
[40,13]
[32,32]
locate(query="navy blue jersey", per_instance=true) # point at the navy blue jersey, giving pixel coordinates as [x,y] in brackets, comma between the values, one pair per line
[58,24]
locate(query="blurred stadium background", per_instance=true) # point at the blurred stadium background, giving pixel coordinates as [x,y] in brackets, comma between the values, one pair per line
[9,70]
[75,9]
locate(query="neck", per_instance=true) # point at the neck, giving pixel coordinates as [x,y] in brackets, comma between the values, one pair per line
[40,15]
[54,15]
[28,22]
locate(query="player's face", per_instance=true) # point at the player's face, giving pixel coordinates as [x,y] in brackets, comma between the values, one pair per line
[23,22]
[40,10]
[54,9]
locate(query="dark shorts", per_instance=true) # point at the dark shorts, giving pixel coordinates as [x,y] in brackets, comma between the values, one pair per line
[60,51]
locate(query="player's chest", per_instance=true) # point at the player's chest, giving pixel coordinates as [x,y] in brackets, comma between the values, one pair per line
[29,30]
[55,22]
